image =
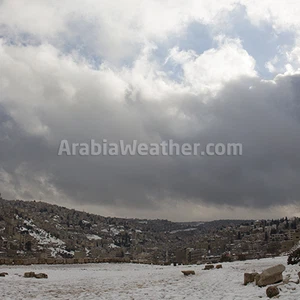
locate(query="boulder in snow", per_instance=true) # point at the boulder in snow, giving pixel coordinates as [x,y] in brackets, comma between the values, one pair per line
[270,276]
[209,267]
[272,291]
[188,272]
[41,275]
[29,274]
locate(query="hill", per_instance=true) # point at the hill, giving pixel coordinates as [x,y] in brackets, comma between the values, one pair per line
[38,229]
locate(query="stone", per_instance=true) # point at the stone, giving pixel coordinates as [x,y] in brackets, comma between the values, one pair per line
[272,291]
[257,277]
[29,274]
[249,277]
[209,267]
[286,280]
[188,272]
[219,266]
[270,276]
[3,274]
[41,275]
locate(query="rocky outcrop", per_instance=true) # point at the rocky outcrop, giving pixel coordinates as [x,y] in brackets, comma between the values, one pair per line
[219,266]
[249,277]
[270,276]
[272,291]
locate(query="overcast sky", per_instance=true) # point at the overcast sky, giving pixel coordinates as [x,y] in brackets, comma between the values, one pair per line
[192,71]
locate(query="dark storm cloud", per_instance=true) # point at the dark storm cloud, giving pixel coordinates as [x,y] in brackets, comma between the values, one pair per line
[262,115]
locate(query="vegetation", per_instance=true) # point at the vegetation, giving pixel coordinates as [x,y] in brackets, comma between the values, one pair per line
[294,257]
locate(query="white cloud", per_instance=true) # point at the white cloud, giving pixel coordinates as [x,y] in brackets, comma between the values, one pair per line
[208,72]
[282,15]
[113,30]
[48,82]
[293,58]
[35,17]
[287,62]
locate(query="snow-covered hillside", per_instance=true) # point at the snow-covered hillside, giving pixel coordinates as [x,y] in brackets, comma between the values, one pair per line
[45,239]
[131,281]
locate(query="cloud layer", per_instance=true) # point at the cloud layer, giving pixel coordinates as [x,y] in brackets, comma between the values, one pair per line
[106,71]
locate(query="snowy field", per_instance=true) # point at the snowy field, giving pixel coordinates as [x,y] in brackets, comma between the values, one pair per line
[132,281]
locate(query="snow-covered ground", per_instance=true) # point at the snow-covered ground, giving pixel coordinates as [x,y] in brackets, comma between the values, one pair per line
[132,281]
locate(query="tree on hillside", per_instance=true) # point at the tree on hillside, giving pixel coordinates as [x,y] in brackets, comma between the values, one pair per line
[294,257]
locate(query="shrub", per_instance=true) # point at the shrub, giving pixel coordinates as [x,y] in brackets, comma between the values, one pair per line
[226,258]
[294,257]
[241,257]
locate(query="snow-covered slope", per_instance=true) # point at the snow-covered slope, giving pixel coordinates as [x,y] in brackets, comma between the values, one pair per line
[45,239]
[42,236]
[129,281]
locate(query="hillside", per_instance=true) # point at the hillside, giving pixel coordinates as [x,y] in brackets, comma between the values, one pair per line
[42,230]
[37,228]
